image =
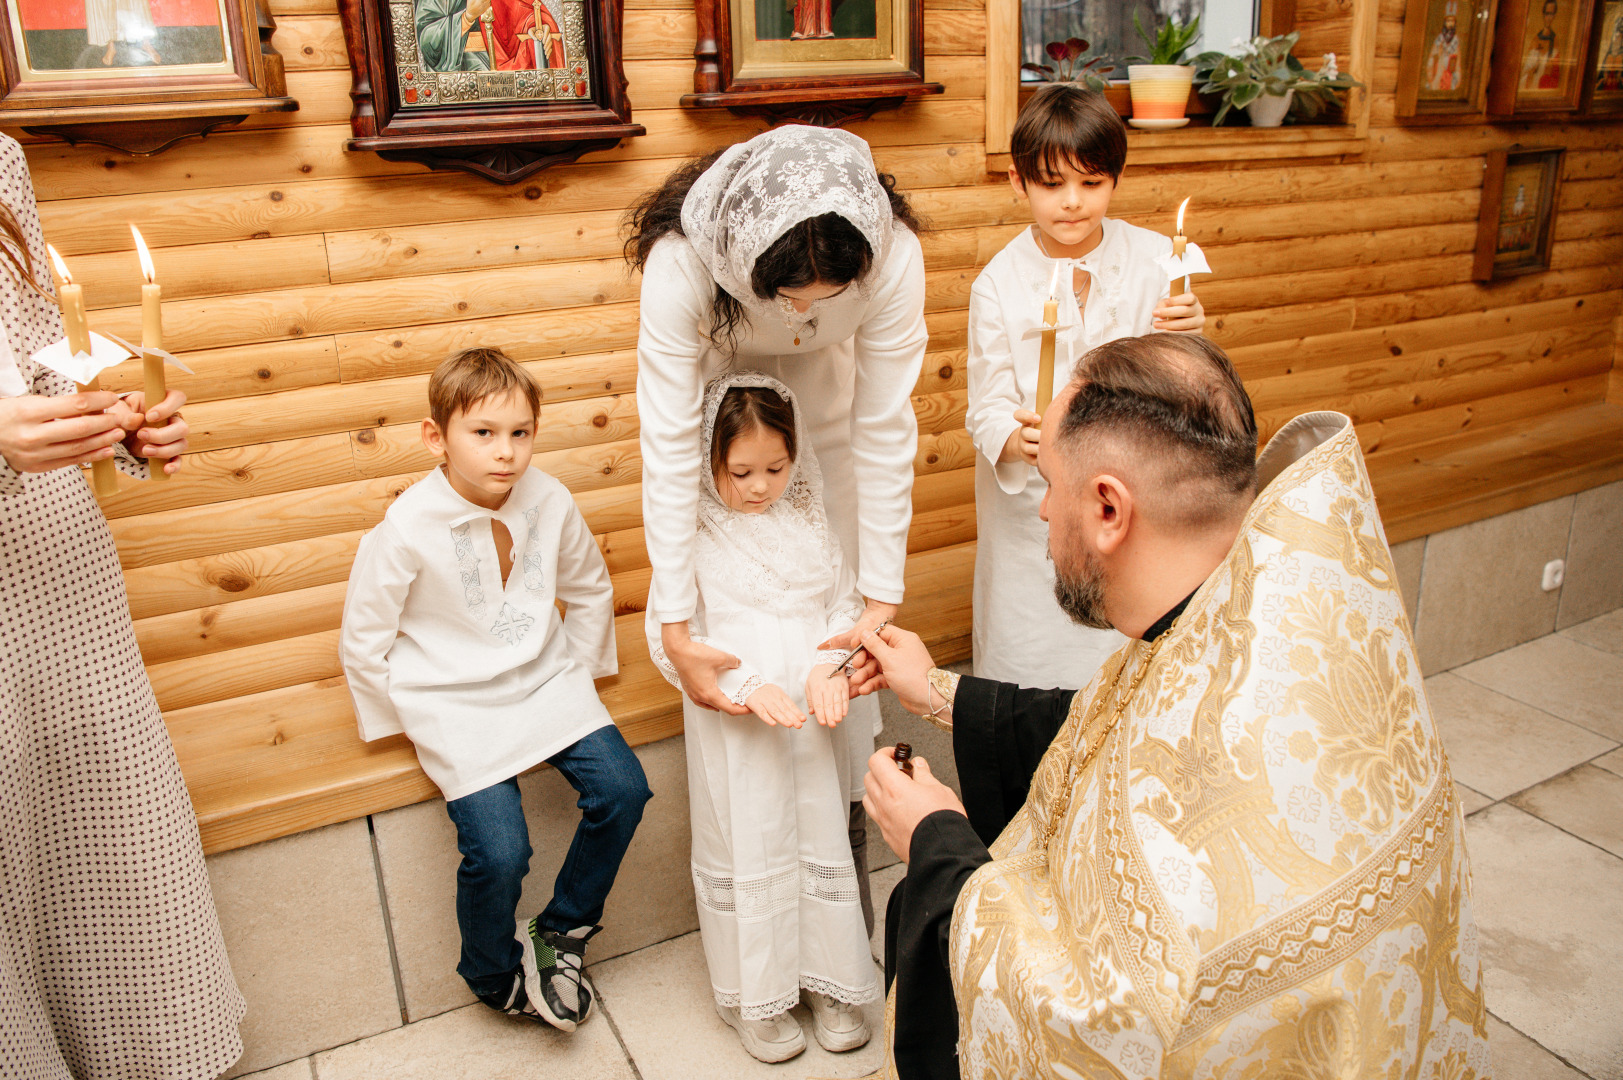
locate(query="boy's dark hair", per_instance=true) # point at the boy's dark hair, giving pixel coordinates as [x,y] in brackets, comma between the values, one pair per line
[1178,399]
[825,248]
[1065,124]
[743,409]
[472,375]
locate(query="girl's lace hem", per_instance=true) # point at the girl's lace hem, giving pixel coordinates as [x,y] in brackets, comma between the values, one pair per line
[782,1004]
[768,895]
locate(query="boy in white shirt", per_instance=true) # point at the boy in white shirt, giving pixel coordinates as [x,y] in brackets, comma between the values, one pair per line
[1069,148]
[452,635]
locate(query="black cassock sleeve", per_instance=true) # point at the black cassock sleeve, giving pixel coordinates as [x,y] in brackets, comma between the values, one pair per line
[1000,733]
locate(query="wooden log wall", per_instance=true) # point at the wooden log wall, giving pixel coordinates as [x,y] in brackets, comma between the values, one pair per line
[313,290]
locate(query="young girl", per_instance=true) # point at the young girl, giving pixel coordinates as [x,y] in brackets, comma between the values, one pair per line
[772,869]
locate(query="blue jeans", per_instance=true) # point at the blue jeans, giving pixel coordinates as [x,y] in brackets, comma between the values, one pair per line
[495,846]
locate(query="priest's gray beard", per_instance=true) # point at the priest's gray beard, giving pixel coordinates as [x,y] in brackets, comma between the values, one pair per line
[1082,597]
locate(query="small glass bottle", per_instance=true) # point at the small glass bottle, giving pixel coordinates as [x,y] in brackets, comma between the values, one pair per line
[903,756]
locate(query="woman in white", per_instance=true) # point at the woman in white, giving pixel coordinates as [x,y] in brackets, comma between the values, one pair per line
[788,254]
[772,870]
[1020,634]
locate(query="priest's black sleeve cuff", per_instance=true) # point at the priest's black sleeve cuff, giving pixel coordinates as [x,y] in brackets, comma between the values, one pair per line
[999,735]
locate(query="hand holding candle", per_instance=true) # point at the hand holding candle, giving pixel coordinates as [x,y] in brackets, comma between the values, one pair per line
[151,338]
[1045,358]
[70,298]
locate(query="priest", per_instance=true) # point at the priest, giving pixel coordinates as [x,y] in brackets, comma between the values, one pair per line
[1237,853]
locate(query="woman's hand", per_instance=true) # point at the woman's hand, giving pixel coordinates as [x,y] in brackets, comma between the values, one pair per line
[697,665]
[1022,442]
[1181,313]
[157,434]
[775,707]
[861,666]
[39,434]
[828,694]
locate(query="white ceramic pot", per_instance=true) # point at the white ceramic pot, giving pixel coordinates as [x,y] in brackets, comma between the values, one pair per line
[1269,110]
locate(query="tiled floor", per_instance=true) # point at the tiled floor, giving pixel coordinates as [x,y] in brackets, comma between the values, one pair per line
[1533,736]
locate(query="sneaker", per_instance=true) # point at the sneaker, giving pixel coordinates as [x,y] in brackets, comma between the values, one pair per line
[515,1002]
[777,1038]
[838,1026]
[555,973]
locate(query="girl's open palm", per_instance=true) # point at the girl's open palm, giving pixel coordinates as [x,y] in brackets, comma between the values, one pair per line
[828,698]
[775,707]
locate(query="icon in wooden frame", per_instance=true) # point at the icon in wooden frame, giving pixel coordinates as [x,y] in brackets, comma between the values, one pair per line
[1443,69]
[815,61]
[1539,53]
[1516,224]
[1603,76]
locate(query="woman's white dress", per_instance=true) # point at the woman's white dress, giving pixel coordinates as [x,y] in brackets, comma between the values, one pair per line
[854,369]
[1020,633]
[778,901]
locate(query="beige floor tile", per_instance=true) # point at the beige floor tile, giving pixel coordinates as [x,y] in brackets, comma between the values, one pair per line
[1516,1057]
[304,929]
[474,1043]
[661,1003]
[1548,907]
[1470,801]
[1407,558]
[1465,612]
[293,1070]
[1605,632]
[884,882]
[1560,676]
[652,899]
[1612,762]
[1594,578]
[1497,745]
[1587,802]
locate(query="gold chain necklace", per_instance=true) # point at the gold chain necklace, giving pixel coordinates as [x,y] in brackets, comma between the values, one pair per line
[1079,761]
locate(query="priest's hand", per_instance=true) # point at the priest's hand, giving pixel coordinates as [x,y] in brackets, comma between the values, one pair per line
[1182,314]
[861,666]
[904,666]
[898,802]
[697,666]
[40,433]
[157,434]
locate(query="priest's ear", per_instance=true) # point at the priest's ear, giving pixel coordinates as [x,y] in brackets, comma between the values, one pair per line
[1112,508]
[433,438]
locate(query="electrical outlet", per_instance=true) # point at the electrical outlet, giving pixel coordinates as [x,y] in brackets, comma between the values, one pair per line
[1554,572]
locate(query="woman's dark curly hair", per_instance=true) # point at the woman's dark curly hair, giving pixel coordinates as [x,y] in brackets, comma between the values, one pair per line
[826,248]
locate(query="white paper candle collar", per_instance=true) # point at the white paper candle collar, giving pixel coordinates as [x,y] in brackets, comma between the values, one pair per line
[1192,261]
[106,350]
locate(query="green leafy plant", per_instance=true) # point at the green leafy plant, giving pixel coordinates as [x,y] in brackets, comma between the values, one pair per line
[1264,65]
[1072,64]
[1169,43]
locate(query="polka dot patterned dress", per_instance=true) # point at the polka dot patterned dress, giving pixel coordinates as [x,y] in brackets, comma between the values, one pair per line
[111,960]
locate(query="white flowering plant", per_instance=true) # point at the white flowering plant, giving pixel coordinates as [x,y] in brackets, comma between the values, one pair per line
[1264,65]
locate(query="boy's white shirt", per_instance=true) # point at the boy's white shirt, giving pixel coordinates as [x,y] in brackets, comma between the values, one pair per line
[485,680]
[1020,634]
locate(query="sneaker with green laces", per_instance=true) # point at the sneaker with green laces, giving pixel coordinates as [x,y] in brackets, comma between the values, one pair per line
[555,973]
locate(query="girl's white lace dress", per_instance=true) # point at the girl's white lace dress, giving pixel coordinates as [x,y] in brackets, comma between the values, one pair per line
[772,869]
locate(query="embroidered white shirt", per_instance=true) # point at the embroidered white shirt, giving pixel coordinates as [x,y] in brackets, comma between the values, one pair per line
[484,677]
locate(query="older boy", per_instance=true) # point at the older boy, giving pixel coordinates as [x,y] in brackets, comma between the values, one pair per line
[452,636]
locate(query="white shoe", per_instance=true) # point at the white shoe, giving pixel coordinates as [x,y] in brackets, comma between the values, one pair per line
[777,1038]
[838,1026]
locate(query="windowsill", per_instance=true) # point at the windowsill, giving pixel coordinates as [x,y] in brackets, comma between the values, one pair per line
[1200,142]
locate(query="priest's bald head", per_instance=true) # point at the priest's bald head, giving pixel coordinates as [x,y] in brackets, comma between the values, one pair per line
[1150,456]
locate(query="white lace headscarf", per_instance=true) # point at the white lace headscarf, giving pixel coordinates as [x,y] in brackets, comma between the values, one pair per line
[781,559]
[760,189]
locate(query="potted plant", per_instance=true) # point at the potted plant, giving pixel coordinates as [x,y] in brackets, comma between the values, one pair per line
[1071,64]
[1264,79]
[1159,83]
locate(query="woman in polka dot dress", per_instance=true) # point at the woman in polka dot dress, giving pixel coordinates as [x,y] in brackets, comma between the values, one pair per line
[111,960]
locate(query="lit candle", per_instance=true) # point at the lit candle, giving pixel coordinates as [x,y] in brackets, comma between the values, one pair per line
[1180,241]
[71,299]
[151,338]
[1045,359]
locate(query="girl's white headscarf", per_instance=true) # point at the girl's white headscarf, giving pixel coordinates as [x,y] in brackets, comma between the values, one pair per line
[760,189]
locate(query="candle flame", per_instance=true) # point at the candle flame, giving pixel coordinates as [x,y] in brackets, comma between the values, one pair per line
[1181,207]
[146,256]
[61,267]
[1053,282]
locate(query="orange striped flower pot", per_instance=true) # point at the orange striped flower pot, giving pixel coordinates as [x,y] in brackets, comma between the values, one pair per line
[1159,91]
